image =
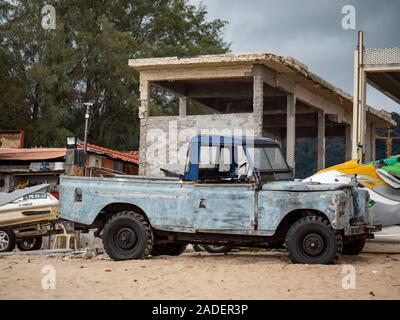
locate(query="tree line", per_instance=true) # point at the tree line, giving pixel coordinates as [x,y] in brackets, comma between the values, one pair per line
[47,74]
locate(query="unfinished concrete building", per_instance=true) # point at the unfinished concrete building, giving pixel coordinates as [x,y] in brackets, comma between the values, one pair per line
[379,67]
[270,95]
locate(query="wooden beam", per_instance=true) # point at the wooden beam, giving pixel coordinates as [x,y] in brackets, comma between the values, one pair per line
[318,102]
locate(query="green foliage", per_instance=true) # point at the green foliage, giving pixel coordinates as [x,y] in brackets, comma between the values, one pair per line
[306,154]
[46,75]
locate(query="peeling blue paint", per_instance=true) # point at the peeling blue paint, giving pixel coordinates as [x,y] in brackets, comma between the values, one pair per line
[174,205]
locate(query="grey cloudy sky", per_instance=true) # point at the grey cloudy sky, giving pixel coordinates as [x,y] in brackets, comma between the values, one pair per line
[311,31]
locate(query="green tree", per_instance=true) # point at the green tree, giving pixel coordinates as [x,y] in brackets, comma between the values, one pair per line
[46,75]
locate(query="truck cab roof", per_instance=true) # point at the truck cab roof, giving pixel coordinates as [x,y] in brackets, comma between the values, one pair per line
[232,140]
[234,158]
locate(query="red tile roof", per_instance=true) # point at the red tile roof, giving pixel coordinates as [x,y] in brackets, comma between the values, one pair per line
[128,156]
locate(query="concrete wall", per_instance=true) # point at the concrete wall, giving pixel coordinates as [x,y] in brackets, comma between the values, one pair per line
[164,139]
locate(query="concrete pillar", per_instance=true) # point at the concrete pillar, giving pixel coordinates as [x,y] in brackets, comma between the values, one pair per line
[291,130]
[368,143]
[144,98]
[143,114]
[69,162]
[348,142]
[373,142]
[183,102]
[321,140]
[258,98]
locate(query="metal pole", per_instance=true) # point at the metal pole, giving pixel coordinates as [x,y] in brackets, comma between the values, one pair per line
[358,99]
[362,108]
[354,138]
[87,118]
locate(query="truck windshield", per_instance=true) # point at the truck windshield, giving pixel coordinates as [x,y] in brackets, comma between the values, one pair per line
[267,158]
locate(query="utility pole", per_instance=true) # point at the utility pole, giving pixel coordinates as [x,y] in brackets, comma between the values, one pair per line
[87,119]
[359,106]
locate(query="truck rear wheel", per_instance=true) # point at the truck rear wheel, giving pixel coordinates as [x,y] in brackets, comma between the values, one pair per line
[353,247]
[29,244]
[7,240]
[311,240]
[170,249]
[126,236]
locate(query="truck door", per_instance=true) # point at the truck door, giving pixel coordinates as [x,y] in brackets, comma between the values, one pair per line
[222,206]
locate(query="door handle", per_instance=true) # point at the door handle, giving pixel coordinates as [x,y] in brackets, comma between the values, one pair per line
[202,204]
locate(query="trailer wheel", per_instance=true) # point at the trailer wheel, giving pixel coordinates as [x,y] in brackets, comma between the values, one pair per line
[30,244]
[7,240]
[353,247]
[311,240]
[217,249]
[170,249]
[126,236]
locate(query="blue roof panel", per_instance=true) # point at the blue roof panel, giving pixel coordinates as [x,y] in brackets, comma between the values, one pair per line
[230,140]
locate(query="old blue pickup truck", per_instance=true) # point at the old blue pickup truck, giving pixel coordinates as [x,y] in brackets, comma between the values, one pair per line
[234,190]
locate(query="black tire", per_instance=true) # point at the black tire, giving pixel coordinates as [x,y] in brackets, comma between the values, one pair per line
[170,249]
[126,236]
[217,249]
[7,240]
[353,247]
[30,244]
[311,240]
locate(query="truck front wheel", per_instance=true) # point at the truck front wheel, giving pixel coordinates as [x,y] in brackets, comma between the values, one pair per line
[311,240]
[126,236]
[353,247]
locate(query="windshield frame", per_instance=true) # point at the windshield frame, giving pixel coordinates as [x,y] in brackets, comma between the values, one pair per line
[272,170]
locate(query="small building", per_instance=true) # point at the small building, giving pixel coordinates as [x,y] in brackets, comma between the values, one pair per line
[100,161]
[264,93]
[26,167]
[20,168]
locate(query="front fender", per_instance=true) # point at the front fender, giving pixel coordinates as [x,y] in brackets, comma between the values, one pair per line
[274,206]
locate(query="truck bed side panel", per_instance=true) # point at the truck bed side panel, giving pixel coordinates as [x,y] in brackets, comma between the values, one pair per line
[165,203]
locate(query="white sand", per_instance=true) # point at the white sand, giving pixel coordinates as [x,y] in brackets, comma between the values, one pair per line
[240,275]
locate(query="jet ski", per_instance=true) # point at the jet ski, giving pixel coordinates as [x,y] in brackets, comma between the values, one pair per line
[382,181]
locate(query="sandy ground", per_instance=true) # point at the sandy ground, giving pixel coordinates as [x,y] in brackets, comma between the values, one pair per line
[238,275]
